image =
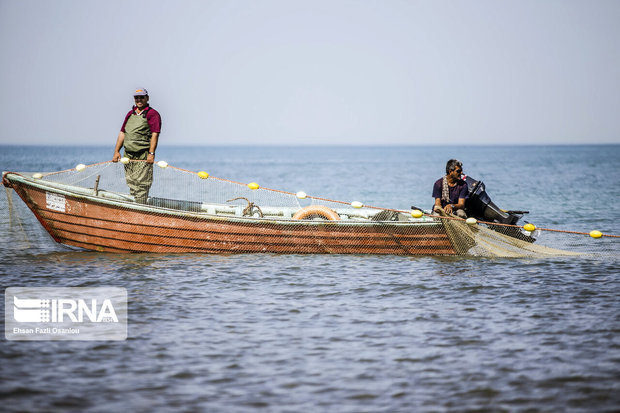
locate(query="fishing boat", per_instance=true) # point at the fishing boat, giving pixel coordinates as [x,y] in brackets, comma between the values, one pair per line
[91,208]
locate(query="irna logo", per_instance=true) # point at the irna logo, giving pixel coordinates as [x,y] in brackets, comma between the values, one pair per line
[65,313]
[61,310]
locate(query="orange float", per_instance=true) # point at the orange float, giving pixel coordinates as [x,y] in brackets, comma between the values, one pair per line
[320,211]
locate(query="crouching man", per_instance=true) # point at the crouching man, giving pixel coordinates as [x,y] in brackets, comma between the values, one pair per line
[451,192]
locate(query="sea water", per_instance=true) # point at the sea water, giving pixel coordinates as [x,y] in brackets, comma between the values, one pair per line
[323,333]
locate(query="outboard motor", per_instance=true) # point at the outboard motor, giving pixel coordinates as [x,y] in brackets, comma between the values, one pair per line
[480,206]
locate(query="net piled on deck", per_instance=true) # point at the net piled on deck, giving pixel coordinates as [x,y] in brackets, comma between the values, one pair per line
[92,207]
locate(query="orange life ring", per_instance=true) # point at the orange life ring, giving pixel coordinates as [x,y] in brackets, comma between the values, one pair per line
[312,211]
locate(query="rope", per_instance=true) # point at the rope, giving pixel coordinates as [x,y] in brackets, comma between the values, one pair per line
[71,169]
[374,207]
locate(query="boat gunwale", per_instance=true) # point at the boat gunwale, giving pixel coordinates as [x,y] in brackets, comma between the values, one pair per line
[48,186]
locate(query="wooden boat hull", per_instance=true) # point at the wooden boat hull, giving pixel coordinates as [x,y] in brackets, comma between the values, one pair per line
[99,224]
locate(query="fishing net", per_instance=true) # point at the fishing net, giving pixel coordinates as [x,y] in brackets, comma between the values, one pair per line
[137,207]
[478,240]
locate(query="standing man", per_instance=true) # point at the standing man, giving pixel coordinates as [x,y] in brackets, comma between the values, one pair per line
[450,192]
[139,135]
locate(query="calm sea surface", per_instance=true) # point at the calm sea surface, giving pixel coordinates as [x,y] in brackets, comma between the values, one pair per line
[293,333]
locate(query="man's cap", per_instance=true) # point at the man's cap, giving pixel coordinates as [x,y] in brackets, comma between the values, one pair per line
[140,92]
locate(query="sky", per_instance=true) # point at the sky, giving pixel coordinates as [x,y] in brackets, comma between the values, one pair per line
[338,72]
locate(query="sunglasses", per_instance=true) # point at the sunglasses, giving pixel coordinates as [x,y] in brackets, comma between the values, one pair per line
[139,97]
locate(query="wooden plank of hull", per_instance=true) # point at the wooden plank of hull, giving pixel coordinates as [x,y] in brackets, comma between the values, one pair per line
[161,243]
[104,227]
[247,232]
[166,240]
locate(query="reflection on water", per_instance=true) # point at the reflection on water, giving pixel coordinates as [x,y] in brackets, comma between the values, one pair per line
[290,333]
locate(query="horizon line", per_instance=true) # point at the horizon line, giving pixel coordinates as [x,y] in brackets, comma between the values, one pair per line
[304,145]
